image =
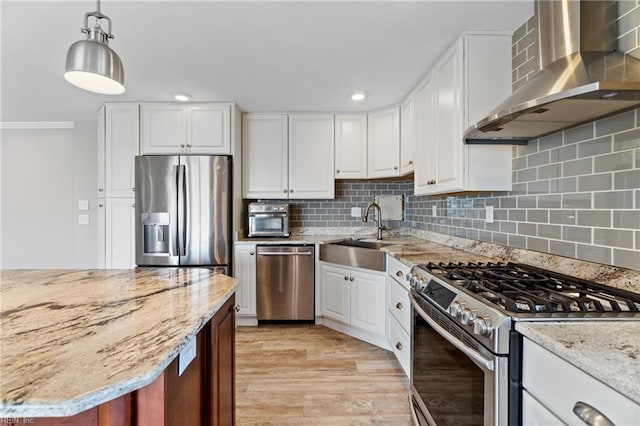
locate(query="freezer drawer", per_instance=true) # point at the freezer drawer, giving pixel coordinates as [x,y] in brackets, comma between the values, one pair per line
[285,282]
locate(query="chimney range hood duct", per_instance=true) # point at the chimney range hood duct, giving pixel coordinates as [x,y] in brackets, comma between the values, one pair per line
[581,76]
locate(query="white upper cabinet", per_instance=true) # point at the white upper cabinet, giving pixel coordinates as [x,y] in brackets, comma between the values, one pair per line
[384,143]
[351,146]
[311,156]
[118,144]
[407,135]
[264,156]
[193,129]
[470,79]
[288,156]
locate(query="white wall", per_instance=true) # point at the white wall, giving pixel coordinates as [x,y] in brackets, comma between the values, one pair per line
[43,174]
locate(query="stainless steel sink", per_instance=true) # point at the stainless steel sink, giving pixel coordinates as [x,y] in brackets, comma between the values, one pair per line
[358,253]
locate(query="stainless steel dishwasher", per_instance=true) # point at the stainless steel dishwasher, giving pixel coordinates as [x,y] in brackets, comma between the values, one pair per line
[285,282]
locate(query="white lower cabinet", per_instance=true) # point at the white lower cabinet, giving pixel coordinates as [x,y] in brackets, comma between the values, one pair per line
[353,302]
[244,270]
[553,387]
[119,222]
[399,307]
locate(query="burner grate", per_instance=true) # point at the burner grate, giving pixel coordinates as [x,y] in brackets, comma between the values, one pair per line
[527,289]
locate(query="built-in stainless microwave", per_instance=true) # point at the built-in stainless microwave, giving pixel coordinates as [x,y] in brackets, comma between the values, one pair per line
[268,220]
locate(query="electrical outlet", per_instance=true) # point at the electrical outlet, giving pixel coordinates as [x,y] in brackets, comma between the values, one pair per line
[434,211]
[83,219]
[488,214]
[356,212]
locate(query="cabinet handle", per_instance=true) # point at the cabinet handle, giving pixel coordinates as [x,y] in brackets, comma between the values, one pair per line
[100,205]
[100,189]
[399,346]
[251,253]
[590,415]
[350,278]
[399,306]
[399,274]
[284,191]
[410,161]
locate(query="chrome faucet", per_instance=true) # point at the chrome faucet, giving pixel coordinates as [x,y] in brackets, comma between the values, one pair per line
[377,219]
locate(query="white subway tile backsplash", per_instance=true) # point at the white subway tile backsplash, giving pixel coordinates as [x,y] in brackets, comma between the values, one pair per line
[580,133]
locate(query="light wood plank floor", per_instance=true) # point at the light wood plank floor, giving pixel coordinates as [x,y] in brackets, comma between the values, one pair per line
[312,375]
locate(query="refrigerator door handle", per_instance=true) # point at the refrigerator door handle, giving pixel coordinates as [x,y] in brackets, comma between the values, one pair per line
[182,218]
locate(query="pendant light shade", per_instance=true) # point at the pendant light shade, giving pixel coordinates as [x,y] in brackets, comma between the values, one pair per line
[91,64]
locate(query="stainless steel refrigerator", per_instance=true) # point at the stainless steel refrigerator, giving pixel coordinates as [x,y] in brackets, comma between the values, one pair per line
[183,210]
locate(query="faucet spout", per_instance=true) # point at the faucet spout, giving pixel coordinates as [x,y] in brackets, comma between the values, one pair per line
[377,219]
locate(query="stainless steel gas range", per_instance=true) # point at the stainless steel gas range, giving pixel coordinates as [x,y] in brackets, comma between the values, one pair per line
[466,355]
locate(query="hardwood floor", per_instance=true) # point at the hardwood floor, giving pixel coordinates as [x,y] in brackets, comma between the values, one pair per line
[312,375]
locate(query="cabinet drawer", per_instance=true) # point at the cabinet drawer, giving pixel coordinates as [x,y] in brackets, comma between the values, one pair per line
[399,304]
[536,414]
[398,271]
[558,385]
[400,344]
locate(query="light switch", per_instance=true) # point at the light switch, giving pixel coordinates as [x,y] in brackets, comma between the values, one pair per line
[489,214]
[83,219]
[83,204]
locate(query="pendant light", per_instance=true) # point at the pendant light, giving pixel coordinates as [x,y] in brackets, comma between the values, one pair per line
[91,64]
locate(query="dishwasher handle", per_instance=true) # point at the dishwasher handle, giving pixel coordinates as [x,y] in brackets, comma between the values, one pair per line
[285,253]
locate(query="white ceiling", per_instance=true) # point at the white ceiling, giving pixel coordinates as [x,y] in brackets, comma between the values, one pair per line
[265,56]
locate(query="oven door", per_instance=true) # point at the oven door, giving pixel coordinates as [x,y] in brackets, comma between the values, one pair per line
[268,225]
[454,379]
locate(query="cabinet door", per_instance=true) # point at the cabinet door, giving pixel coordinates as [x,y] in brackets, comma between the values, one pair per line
[425,137]
[449,152]
[245,272]
[101,151]
[264,156]
[222,384]
[311,156]
[368,306]
[121,146]
[536,414]
[351,146]
[407,135]
[102,230]
[335,293]
[208,129]
[162,128]
[384,143]
[120,249]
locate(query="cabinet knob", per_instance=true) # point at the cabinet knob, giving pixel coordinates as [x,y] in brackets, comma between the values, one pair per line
[399,274]
[181,145]
[399,306]
[251,253]
[188,145]
[133,189]
[133,205]
[291,190]
[410,161]
[337,170]
[399,346]
[395,167]
[350,278]
[100,205]
[100,189]
[236,308]
[284,191]
[346,278]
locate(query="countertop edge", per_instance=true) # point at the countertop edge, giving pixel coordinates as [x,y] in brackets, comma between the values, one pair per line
[90,400]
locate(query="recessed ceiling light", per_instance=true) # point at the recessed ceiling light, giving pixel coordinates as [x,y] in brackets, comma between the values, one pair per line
[609,95]
[358,96]
[182,97]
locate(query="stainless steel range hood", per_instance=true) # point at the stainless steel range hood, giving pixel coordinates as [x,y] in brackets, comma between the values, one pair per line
[581,76]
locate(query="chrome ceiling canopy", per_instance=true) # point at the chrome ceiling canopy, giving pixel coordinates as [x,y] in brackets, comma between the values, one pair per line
[581,76]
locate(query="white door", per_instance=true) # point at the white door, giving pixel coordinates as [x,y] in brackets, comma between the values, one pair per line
[368,304]
[245,272]
[163,128]
[407,135]
[120,249]
[384,143]
[449,153]
[335,293]
[102,224]
[101,152]
[311,156]
[264,156]
[425,127]
[121,146]
[208,129]
[351,146]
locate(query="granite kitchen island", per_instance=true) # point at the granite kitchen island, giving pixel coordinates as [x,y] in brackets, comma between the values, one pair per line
[104,346]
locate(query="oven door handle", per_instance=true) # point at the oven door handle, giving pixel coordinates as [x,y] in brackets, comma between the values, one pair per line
[477,358]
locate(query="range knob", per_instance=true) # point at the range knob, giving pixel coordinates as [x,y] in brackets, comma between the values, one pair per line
[482,326]
[455,309]
[420,285]
[412,279]
[468,315]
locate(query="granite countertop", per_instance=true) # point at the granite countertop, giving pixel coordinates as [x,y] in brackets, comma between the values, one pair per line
[73,339]
[608,351]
